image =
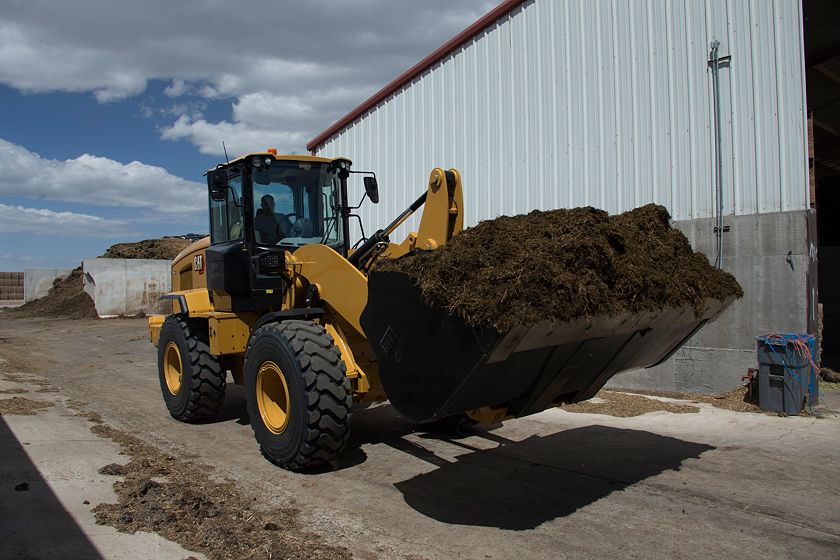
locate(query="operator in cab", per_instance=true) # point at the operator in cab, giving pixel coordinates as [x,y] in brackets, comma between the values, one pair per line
[270,226]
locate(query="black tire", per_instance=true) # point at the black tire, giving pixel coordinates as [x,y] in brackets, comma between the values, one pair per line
[315,426]
[201,391]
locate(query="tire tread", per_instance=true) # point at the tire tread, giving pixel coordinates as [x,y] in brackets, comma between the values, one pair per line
[328,394]
[207,379]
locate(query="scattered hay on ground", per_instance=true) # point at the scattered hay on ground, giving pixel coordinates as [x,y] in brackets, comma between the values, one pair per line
[565,264]
[829,386]
[14,391]
[114,469]
[48,389]
[21,406]
[181,502]
[624,405]
[735,400]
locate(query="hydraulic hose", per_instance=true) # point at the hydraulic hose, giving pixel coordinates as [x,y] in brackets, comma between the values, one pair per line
[381,236]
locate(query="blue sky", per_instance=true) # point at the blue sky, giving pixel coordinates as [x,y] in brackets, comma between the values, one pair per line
[111,111]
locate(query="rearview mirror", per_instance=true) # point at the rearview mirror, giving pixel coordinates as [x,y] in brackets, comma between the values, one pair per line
[372,189]
[217,184]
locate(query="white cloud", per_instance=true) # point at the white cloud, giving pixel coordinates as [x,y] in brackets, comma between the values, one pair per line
[41,221]
[290,68]
[98,181]
[261,120]
[267,109]
[239,138]
[176,89]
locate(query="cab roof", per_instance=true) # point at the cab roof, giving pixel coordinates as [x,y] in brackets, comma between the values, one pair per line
[295,157]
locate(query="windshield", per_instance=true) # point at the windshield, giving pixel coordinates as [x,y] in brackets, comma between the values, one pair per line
[295,203]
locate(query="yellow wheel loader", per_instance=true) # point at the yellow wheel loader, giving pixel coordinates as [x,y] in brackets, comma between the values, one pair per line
[280,297]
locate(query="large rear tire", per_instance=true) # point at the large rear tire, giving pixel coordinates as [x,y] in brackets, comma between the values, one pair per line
[191,378]
[297,394]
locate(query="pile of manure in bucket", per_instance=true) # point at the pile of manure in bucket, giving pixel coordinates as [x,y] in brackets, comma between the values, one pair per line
[565,264]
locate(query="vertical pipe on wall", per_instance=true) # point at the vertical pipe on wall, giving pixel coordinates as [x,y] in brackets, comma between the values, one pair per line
[714,62]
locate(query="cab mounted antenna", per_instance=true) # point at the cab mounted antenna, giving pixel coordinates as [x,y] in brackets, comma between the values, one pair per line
[225,149]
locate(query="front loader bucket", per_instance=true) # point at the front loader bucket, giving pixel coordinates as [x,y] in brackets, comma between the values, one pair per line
[433,365]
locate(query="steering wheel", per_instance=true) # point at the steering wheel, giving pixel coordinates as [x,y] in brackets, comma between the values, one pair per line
[302,228]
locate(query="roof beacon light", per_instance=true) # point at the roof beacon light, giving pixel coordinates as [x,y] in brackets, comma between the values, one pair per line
[272,151]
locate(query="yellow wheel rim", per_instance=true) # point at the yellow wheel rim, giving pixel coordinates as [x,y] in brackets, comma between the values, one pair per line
[273,397]
[172,368]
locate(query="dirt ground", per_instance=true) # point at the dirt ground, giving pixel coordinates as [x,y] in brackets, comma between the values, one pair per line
[710,483]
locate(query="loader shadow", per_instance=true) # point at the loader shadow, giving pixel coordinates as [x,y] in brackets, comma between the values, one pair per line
[33,522]
[520,485]
[517,485]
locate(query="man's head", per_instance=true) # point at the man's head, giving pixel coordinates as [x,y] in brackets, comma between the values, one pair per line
[267,204]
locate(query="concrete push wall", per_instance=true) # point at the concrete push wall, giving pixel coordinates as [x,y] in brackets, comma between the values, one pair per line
[127,286]
[38,281]
[772,257]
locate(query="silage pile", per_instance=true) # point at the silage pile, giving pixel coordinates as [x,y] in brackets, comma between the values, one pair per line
[565,264]
[67,297]
[166,248]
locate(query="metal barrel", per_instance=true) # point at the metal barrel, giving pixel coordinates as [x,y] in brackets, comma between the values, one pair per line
[432,364]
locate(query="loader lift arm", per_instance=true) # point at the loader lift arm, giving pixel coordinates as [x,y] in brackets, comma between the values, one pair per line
[442,219]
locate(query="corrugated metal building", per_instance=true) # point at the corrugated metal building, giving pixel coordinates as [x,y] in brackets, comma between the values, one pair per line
[610,103]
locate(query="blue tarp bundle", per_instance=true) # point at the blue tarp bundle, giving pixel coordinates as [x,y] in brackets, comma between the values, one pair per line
[797,353]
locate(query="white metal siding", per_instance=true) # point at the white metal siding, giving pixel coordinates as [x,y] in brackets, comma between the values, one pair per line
[608,103]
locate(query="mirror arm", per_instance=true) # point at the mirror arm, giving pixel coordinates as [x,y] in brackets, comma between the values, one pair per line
[360,203]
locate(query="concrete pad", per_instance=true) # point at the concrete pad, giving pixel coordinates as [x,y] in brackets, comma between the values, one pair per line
[57,456]
[715,484]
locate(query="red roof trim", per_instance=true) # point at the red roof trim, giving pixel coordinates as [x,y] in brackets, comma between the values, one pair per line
[496,13]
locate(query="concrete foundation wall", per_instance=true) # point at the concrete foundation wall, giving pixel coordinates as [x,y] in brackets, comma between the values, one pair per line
[769,254]
[127,286]
[38,281]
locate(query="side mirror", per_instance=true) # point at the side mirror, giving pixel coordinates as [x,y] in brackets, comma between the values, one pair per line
[372,189]
[217,184]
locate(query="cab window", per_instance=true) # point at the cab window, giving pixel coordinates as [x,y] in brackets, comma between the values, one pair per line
[295,203]
[226,218]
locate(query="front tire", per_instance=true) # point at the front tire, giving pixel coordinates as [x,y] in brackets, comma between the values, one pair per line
[191,378]
[297,394]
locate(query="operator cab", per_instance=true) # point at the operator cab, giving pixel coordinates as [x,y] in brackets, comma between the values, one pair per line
[277,202]
[262,205]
